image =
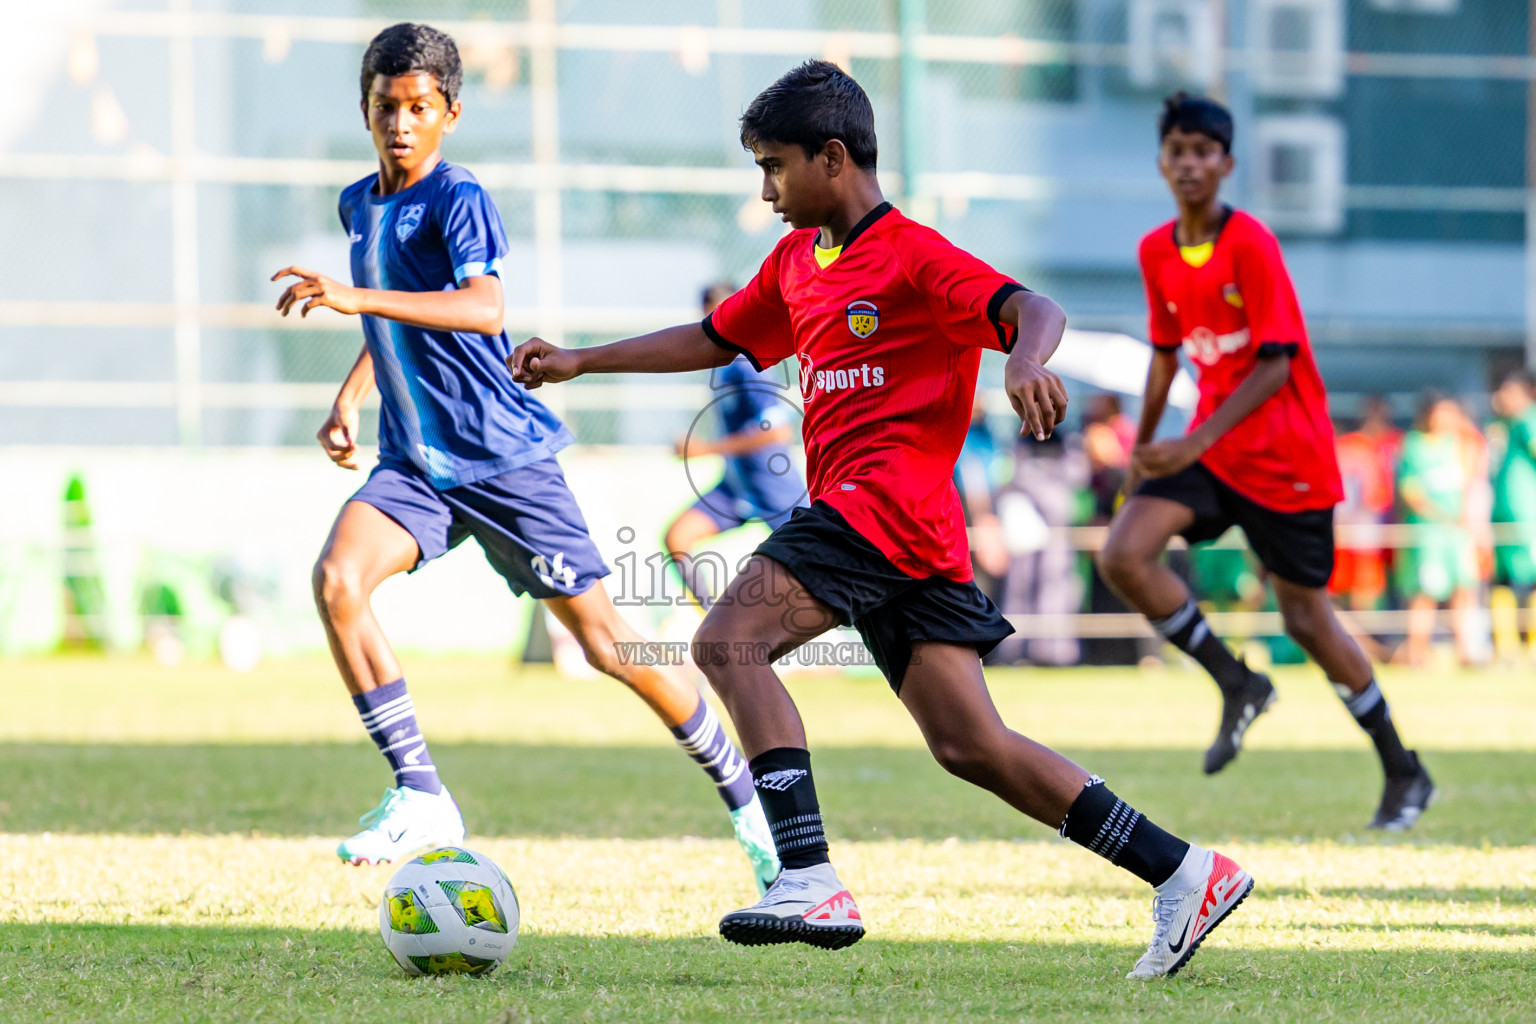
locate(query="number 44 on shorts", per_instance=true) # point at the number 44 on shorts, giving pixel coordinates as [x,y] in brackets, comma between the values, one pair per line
[551,569]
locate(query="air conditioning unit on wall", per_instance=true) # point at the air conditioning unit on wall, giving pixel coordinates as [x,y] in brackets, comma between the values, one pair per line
[1298,47]
[1173,43]
[1418,6]
[1298,177]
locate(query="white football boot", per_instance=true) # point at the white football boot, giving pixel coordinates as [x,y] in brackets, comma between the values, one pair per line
[806,905]
[1205,889]
[756,840]
[406,820]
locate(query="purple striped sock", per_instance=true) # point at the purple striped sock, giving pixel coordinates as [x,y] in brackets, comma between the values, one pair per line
[390,718]
[703,738]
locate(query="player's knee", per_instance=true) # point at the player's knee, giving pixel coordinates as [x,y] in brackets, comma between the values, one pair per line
[339,590]
[676,543]
[602,653]
[969,757]
[1304,624]
[711,651]
[1119,564]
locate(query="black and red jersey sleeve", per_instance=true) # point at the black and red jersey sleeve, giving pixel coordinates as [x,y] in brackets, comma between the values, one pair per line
[1269,299]
[755,321]
[964,294]
[1162,326]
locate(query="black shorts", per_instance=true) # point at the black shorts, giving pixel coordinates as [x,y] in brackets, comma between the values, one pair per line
[890,609]
[1296,546]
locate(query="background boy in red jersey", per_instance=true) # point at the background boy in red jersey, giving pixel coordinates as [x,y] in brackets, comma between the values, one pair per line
[888,321]
[1259,452]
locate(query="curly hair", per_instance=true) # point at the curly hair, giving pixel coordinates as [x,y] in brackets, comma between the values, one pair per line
[407,49]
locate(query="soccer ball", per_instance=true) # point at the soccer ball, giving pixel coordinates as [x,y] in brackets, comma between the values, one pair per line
[449,911]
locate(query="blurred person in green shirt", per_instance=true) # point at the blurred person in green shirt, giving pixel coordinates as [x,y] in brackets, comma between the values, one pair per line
[1438,564]
[1512,438]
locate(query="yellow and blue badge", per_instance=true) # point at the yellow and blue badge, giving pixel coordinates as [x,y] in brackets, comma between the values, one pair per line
[863,318]
[1232,295]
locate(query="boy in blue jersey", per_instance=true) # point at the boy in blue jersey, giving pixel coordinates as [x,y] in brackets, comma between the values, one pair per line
[463,451]
[760,480]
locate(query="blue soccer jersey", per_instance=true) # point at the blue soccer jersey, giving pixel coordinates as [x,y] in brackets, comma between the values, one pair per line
[450,406]
[752,401]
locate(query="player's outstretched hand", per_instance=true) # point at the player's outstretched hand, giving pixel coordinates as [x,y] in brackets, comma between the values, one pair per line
[1162,458]
[536,362]
[1037,396]
[338,436]
[318,289]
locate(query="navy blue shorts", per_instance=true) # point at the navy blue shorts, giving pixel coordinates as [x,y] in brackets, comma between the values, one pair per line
[728,507]
[526,522]
[891,610]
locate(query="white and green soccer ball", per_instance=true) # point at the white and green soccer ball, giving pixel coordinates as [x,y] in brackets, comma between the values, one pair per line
[449,911]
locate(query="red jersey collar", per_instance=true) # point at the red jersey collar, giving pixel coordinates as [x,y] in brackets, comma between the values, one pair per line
[862,226]
[1226,218]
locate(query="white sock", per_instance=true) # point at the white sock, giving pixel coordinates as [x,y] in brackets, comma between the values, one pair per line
[1190,874]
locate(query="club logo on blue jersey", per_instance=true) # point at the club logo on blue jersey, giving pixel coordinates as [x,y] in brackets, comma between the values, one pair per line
[409,220]
[863,318]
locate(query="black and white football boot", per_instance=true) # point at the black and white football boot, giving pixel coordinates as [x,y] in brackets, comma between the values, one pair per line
[1238,710]
[1404,799]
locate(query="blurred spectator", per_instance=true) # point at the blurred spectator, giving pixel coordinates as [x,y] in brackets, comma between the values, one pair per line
[1042,575]
[1437,566]
[1512,450]
[1367,463]
[974,479]
[1477,512]
[1108,436]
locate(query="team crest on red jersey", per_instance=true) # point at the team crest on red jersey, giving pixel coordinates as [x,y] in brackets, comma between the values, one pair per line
[863,318]
[1232,295]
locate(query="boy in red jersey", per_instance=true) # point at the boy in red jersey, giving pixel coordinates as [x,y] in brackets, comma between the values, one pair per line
[888,321]
[1259,453]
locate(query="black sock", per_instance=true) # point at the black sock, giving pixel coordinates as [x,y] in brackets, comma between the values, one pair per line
[1116,831]
[784,785]
[1369,707]
[1187,630]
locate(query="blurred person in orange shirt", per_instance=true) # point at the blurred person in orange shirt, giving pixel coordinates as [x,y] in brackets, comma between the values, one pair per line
[1367,464]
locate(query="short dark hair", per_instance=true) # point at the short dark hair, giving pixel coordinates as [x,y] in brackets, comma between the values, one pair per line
[1196,114]
[810,106]
[1428,399]
[408,49]
[717,292]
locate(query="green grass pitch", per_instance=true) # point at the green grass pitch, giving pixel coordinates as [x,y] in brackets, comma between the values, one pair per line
[166,844]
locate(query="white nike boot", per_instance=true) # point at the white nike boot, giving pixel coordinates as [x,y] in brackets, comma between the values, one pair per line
[406,820]
[806,905]
[1205,889]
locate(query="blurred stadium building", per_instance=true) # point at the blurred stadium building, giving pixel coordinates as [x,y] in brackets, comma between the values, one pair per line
[161,158]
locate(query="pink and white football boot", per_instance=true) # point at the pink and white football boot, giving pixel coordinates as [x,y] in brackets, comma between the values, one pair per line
[1188,906]
[806,905]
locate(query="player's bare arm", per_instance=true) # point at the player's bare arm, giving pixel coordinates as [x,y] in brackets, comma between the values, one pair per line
[338,434]
[742,443]
[1163,458]
[670,350]
[474,307]
[1036,393]
[1161,372]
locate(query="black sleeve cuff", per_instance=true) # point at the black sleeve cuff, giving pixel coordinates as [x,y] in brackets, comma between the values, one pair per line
[1276,349]
[1169,348]
[708,323]
[995,312]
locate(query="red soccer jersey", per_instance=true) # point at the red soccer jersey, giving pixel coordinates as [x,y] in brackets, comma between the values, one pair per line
[1226,313]
[889,337]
